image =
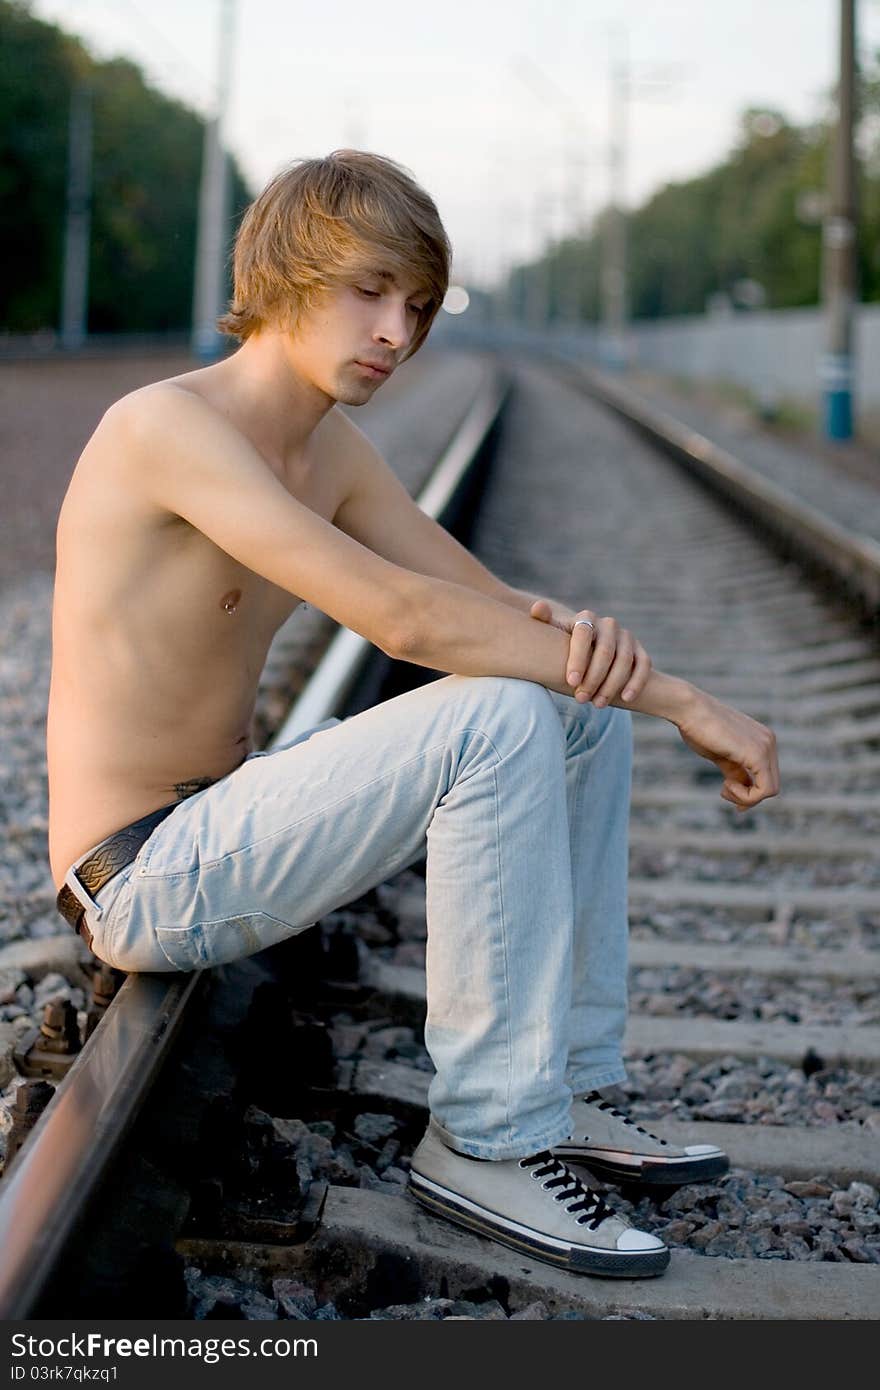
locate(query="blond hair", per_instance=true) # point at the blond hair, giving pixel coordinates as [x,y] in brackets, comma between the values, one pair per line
[320,222]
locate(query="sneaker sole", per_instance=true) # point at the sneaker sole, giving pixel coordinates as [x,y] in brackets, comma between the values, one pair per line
[609,1264]
[664,1173]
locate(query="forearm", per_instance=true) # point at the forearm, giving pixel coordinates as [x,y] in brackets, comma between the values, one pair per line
[664,696]
[522,600]
[466,633]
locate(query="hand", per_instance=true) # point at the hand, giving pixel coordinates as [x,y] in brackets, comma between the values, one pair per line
[602,662]
[743,749]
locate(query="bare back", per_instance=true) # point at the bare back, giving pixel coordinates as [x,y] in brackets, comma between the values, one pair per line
[158,641]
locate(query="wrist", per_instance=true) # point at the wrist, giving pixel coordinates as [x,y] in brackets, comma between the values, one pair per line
[666,697]
[679,698]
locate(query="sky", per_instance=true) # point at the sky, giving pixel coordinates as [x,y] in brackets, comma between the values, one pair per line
[500,108]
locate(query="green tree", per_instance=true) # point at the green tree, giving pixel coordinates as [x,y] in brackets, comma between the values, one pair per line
[744,220]
[147,153]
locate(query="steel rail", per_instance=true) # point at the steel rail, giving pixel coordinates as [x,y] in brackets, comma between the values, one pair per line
[60,1167]
[852,560]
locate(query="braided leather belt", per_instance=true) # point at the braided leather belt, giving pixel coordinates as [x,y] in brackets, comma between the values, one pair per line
[110,856]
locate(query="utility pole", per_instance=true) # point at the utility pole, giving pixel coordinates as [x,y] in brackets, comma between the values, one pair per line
[545,89]
[75,274]
[537,307]
[613,279]
[209,294]
[839,245]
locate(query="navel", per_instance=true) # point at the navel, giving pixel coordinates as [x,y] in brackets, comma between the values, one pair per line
[230,601]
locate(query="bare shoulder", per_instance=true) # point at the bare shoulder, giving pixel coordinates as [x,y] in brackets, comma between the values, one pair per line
[142,413]
[165,428]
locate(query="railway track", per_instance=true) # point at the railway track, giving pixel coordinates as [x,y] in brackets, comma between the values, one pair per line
[266,1172]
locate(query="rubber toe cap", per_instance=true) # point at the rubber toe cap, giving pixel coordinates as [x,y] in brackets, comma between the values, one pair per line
[638,1240]
[702,1150]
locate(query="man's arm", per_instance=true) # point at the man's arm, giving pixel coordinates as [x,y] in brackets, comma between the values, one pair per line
[186,460]
[379,512]
[467,621]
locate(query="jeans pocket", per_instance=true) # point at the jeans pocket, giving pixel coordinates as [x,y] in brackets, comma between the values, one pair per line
[204,944]
[109,907]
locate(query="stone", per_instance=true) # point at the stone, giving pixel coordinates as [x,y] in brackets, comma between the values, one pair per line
[342,1167]
[390,1150]
[371,1128]
[396,1176]
[285,1130]
[811,1188]
[863,1193]
[490,1311]
[209,1291]
[257,1308]
[66,953]
[700,1239]
[431,1310]
[8,1039]
[857,1251]
[326,1128]
[677,1232]
[11,978]
[533,1312]
[347,1038]
[52,986]
[384,1040]
[295,1299]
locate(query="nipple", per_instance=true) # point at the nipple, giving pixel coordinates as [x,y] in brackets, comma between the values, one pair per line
[230,601]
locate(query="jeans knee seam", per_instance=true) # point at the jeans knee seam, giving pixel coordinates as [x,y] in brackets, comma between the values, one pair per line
[509,1040]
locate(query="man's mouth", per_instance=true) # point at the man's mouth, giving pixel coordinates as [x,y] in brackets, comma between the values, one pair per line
[374,369]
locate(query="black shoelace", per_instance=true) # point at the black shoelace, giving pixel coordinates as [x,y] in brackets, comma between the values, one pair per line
[590,1206]
[594,1098]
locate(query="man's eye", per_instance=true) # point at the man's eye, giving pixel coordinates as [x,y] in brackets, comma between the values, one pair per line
[370,294]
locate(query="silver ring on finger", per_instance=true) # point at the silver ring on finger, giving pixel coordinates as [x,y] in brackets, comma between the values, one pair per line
[584,622]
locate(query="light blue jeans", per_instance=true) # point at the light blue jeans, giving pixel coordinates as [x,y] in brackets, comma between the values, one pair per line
[522,796]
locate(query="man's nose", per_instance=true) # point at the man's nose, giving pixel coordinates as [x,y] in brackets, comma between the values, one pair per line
[393,327]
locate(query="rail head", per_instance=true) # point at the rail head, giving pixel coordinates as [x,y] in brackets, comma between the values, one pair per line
[58,1169]
[852,558]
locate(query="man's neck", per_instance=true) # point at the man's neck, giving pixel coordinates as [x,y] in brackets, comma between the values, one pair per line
[270,402]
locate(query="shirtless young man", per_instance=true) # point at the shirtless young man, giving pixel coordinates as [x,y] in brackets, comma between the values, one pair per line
[202,511]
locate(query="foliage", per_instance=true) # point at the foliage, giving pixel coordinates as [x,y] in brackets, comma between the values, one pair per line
[145,185]
[742,226]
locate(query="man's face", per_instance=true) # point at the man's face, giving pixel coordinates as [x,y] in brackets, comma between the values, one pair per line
[357,333]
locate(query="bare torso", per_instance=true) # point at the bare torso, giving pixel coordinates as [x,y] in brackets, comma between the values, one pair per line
[158,641]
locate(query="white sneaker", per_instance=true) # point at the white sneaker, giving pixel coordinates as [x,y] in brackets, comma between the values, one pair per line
[537,1206]
[616,1149]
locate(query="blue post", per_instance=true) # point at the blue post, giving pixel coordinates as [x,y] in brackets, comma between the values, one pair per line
[836,376]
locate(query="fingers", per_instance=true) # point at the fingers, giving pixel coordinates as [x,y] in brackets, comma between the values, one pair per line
[618,673]
[605,660]
[608,638]
[629,680]
[763,772]
[580,645]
